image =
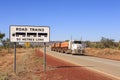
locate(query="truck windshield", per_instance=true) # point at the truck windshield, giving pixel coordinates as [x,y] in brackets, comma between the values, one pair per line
[77,42]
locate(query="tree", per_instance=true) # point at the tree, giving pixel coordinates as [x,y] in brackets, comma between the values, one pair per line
[103,43]
[88,43]
[1,36]
[108,43]
[6,42]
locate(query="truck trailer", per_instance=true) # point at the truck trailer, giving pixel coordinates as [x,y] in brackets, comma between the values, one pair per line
[71,46]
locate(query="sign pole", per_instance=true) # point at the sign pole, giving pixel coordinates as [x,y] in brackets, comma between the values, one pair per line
[15,57]
[44,57]
[23,33]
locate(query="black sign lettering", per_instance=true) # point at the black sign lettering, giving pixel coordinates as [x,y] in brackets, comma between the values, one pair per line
[21,29]
[31,34]
[42,34]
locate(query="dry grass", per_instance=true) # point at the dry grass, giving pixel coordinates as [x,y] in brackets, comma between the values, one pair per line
[104,53]
[26,65]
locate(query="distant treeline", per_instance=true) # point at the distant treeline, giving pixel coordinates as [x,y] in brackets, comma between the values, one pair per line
[103,43]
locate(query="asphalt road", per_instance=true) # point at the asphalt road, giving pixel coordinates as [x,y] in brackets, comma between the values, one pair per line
[104,66]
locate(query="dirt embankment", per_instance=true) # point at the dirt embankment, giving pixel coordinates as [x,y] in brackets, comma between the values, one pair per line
[108,53]
[30,67]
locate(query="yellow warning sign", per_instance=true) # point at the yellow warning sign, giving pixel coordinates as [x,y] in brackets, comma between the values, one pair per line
[27,44]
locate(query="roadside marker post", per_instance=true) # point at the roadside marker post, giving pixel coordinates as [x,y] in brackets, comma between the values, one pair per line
[15,57]
[44,57]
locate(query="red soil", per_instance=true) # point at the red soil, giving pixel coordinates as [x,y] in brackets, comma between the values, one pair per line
[60,70]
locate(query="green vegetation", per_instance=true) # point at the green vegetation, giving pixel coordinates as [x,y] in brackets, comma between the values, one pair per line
[2,35]
[4,77]
[6,43]
[103,43]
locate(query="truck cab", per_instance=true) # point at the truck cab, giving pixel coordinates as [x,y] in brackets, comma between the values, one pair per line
[76,47]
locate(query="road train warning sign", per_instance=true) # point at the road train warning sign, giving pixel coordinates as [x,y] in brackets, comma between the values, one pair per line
[29,33]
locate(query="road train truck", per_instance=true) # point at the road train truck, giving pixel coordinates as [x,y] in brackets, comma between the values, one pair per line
[71,46]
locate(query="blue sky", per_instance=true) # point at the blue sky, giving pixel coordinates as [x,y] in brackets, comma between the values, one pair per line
[89,19]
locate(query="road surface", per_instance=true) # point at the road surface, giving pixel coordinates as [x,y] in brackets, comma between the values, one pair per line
[104,66]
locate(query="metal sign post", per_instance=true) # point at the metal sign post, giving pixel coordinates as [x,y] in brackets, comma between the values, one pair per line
[26,33]
[15,57]
[44,57]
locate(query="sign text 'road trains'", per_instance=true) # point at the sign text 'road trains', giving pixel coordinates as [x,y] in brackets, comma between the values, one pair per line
[30,29]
